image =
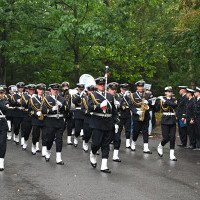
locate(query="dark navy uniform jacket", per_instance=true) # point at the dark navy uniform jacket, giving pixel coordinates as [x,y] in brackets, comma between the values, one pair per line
[135,103]
[47,106]
[167,107]
[99,122]
[124,109]
[181,107]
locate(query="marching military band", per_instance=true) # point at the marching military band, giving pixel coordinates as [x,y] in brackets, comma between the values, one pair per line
[96,112]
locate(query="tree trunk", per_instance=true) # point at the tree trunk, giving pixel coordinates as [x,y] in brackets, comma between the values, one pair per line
[76,50]
[2,58]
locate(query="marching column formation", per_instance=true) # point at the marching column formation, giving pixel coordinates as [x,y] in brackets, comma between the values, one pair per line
[95,111]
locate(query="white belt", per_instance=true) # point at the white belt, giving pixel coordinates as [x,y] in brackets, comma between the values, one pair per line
[102,115]
[56,115]
[168,113]
[2,116]
[78,108]
[20,108]
[11,107]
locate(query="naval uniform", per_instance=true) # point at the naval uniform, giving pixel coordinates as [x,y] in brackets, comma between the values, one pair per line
[9,116]
[69,116]
[190,115]
[180,111]
[54,121]
[135,104]
[18,114]
[87,116]
[124,116]
[102,123]
[168,120]
[78,114]
[3,129]
[197,122]
[35,106]
[26,125]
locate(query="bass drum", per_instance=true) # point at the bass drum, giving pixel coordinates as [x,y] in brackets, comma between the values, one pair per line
[87,80]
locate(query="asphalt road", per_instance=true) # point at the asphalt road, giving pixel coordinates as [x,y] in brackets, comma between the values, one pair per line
[138,177]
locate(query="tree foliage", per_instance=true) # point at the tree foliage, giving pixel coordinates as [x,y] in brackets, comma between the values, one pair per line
[56,40]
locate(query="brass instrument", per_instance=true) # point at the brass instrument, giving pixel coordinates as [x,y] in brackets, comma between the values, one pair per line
[41,117]
[144,108]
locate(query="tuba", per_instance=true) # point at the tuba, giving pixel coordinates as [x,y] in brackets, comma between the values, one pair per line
[144,108]
[87,80]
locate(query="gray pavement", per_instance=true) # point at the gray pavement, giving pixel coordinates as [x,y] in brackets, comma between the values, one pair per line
[138,177]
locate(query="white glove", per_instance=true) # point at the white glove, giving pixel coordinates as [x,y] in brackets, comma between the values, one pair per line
[59,103]
[39,113]
[139,112]
[162,99]
[104,104]
[55,108]
[153,102]
[116,103]
[126,93]
[82,93]
[18,100]
[146,102]
[116,128]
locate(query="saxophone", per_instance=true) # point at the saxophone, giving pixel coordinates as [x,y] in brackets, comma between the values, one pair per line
[144,108]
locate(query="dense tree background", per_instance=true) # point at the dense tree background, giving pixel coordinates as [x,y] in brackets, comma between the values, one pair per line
[56,40]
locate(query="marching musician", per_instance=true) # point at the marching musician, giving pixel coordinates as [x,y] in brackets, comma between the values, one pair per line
[139,105]
[168,105]
[69,117]
[87,116]
[116,136]
[78,115]
[35,108]
[3,127]
[18,112]
[125,114]
[9,112]
[54,107]
[26,125]
[104,117]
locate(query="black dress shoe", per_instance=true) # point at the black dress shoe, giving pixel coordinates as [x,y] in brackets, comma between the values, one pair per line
[132,149]
[128,147]
[47,159]
[69,143]
[189,147]
[60,163]
[97,153]
[106,171]
[75,145]
[1,169]
[196,149]
[147,152]
[23,149]
[17,143]
[38,151]
[181,145]
[8,139]
[161,155]
[117,160]
[85,150]
[175,159]
[33,153]
[93,165]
